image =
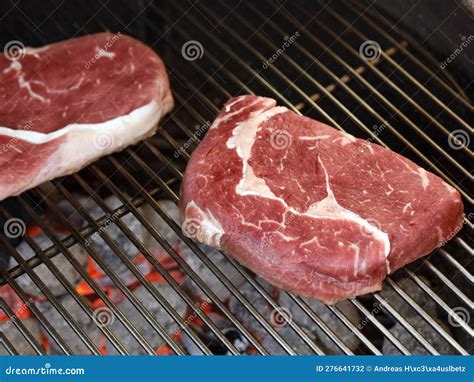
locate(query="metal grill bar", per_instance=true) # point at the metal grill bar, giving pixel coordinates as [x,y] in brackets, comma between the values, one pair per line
[21,328]
[54,301]
[405,73]
[422,313]
[375,91]
[153,291]
[34,310]
[395,109]
[263,58]
[410,328]
[440,302]
[7,344]
[370,21]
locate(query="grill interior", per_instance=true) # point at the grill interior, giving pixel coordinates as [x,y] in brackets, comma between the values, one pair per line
[104,267]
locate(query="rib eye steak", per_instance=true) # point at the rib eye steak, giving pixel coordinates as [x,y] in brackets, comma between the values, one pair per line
[309,208]
[67,104]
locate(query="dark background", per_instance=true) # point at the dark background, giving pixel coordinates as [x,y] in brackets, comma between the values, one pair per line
[439,25]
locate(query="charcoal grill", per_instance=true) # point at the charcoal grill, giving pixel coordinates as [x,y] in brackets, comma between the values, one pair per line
[310,58]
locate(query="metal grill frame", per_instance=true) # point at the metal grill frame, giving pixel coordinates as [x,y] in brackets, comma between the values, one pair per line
[163,187]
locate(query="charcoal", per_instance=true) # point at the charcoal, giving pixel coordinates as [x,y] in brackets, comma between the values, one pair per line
[58,322]
[110,228]
[327,317]
[44,273]
[213,343]
[141,324]
[202,270]
[16,338]
[289,310]
[409,314]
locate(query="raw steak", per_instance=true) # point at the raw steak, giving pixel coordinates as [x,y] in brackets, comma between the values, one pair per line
[311,209]
[64,105]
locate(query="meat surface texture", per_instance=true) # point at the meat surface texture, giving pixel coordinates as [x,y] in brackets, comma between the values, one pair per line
[65,105]
[311,209]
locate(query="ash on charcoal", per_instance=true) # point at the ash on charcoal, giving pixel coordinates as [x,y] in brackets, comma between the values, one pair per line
[65,331]
[16,338]
[329,318]
[410,315]
[192,259]
[43,272]
[79,252]
[110,228]
[213,343]
[289,310]
[258,331]
[141,324]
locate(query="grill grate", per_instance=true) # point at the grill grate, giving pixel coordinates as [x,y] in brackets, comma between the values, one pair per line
[413,107]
